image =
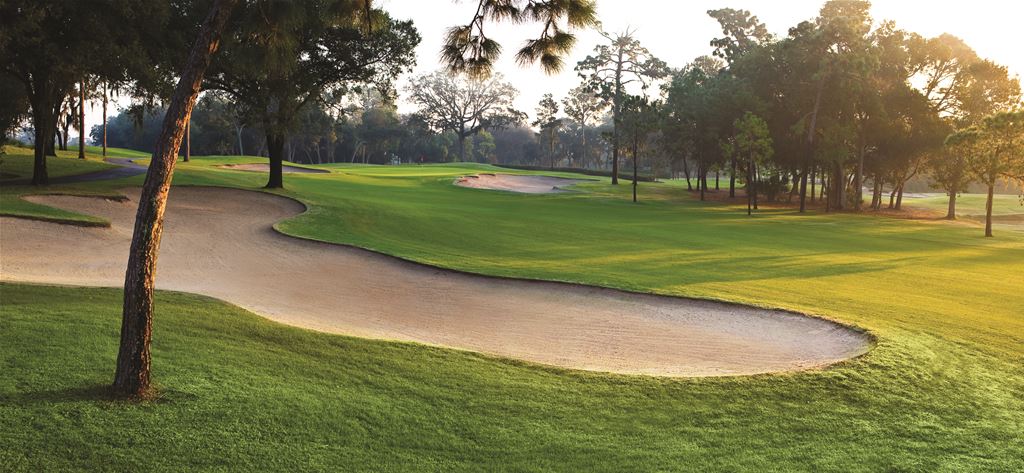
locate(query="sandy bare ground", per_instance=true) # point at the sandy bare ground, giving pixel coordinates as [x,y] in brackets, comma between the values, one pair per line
[266,168]
[517,183]
[219,242]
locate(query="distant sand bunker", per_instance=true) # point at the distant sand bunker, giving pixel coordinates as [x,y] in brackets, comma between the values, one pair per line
[517,183]
[220,242]
[266,168]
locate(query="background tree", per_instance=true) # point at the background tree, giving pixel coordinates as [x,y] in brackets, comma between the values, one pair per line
[468,49]
[49,57]
[995,150]
[582,106]
[548,123]
[751,144]
[963,89]
[621,63]
[640,117]
[464,105]
[701,104]
[13,107]
[280,57]
[743,32]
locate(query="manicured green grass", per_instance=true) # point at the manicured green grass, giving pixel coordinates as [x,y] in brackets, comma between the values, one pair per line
[243,393]
[114,152]
[969,205]
[940,391]
[16,165]
[1007,209]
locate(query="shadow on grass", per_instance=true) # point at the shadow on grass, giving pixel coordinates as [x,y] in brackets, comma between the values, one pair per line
[92,393]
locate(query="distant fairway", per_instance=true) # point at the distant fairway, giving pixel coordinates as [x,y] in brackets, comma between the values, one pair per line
[1007,212]
[940,391]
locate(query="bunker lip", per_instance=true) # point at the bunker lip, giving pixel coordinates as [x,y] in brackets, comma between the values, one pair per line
[220,242]
[522,183]
[260,167]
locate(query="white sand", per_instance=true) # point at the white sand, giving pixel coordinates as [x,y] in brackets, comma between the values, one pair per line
[517,183]
[219,242]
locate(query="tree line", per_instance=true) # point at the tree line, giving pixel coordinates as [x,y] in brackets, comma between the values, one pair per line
[839,109]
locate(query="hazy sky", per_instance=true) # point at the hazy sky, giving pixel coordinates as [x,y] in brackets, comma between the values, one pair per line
[679,30]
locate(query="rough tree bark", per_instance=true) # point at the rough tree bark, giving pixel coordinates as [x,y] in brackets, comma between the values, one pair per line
[686,172]
[104,119]
[701,182]
[45,107]
[732,180]
[988,209]
[132,377]
[188,139]
[81,119]
[635,139]
[814,176]
[275,148]
[859,181]
[810,145]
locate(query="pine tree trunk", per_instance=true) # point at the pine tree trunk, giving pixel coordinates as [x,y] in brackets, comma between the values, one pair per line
[132,377]
[810,143]
[839,185]
[81,119]
[462,149]
[876,197]
[45,107]
[686,172]
[104,119]
[951,211]
[749,188]
[51,141]
[583,155]
[700,180]
[988,209]
[39,175]
[241,149]
[755,182]
[188,139]
[858,182]
[275,148]
[814,176]
[634,167]
[732,180]
[615,161]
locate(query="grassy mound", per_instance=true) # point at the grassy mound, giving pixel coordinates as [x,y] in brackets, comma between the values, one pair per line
[241,393]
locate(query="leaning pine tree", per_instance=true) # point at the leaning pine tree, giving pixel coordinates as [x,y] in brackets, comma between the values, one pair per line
[132,378]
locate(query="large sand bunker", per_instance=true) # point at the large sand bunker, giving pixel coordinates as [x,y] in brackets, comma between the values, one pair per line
[219,242]
[517,183]
[257,167]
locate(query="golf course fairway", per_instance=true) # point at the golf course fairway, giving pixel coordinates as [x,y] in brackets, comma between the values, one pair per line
[939,390]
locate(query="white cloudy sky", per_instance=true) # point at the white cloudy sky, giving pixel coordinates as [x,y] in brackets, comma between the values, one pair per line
[679,30]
